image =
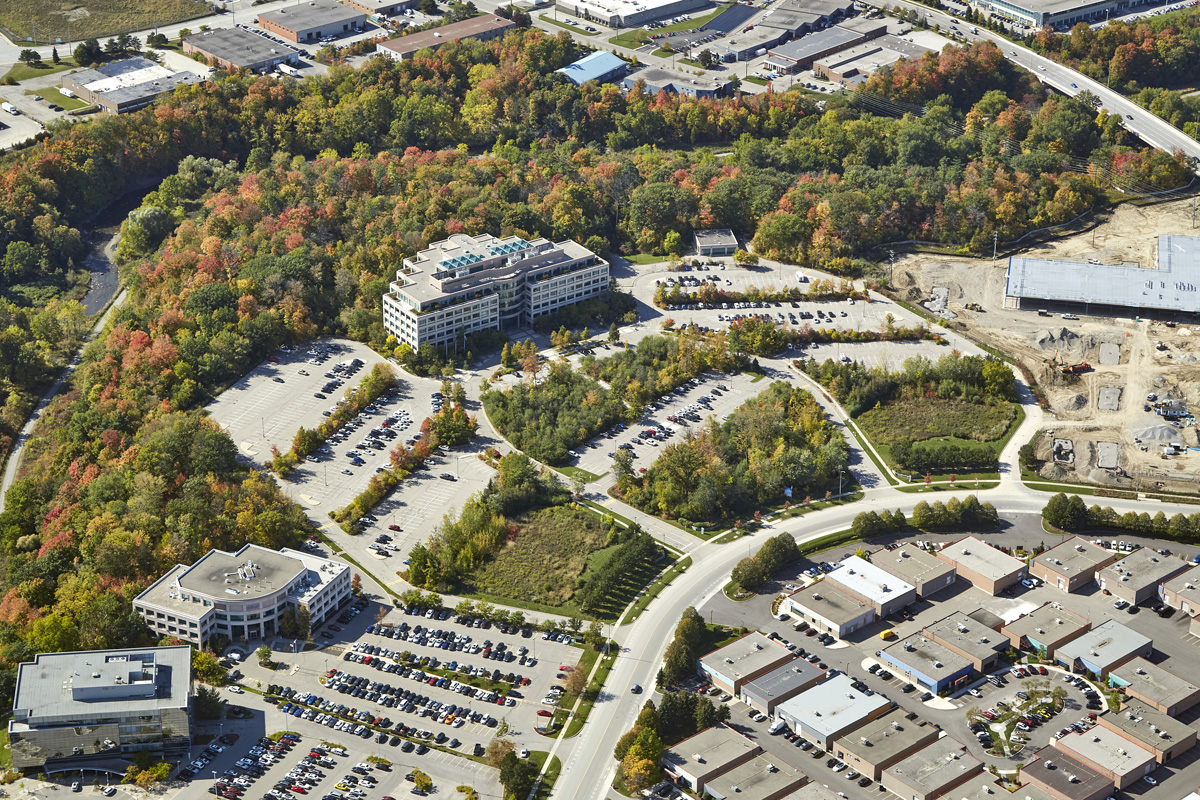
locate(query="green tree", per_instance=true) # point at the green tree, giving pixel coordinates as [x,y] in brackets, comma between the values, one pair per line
[54,57]
[206,668]
[614,333]
[748,574]
[517,776]
[209,703]
[264,655]
[30,57]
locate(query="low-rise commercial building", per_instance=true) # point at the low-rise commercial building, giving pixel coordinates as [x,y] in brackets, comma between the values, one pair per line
[238,48]
[1183,592]
[1136,577]
[733,666]
[311,21]
[627,13]
[380,8]
[485,27]
[684,84]
[916,566]
[932,771]
[883,741]
[782,683]
[1109,754]
[969,638]
[126,85]
[798,55]
[1061,14]
[830,710]
[760,778]
[927,663]
[1064,777]
[1045,629]
[881,590]
[796,18]
[101,707]
[1157,687]
[1071,565]
[982,565]
[600,66]
[815,790]
[1144,725]
[830,609]
[711,752]
[715,242]
[1104,648]
[994,791]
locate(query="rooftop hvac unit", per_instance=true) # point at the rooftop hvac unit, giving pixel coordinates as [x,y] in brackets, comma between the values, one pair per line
[1058,621]
[816,597]
[699,759]
[1073,778]
[1039,630]
[1079,547]
[1141,671]
[962,628]
[772,768]
[937,664]
[864,740]
[966,552]
[896,724]
[1188,586]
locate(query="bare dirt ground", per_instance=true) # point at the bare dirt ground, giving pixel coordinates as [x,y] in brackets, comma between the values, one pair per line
[1141,356]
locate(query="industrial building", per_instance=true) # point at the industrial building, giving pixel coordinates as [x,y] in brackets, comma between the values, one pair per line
[982,565]
[782,683]
[1109,754]
[969,638]
[126,85]
[928,664]
[760,778]
[1136,578]
[1061,14]
[932,771]
[1071,564]
[855,64]
[795,18]
[881,590]
[380,8]
[830,710]
[1181,592]
[733,666]
[883,741]
[1112,289]
[715,242]
[1064,777]
[1155,686]
[1165,736]
[685,84]
[237,48]
[465,284]
[484,27]
[311,21]
[799,54]
[829,609]
[913,565]
[627,13]
[700,758]
[98,708]
[1045,629]
[601,66]
[1104,648]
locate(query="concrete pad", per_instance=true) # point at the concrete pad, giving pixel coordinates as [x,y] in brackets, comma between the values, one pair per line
[1107,454]
[1109,398]
[1110,353]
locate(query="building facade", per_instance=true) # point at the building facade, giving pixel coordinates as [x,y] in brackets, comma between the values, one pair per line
[126,85]
[1045,629]
[1070,565]
[1166,736]
[238,48]
[1157,687]
[830,710]
[1109,754]
[883,741]
[1137,577]
[913,565]
[982,565]
[466,284]
[928,664]
[1182,592]
[715,242]
[1103,649]
[829,609]
[733,666]
[932,771]
[881,590]
[968,638]
[767,691]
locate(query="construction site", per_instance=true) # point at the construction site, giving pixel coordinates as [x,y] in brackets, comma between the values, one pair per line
[1118,385]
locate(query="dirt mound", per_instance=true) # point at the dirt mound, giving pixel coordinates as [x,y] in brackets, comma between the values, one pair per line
[1064,339]
[1075,403]
[1158,433]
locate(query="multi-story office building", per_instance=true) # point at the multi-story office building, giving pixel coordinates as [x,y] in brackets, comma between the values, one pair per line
[242,595]
[466,284]
[102,706]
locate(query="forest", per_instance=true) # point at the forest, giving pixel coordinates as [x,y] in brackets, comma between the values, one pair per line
[658,364]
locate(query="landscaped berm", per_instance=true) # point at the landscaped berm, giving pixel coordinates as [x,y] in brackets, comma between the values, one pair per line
[71,21]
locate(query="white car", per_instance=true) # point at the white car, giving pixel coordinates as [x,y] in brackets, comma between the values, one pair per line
[974,693]
[236,689]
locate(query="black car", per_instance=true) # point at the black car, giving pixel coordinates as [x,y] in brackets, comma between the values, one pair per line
[883,673]
[407,747]
[422,749]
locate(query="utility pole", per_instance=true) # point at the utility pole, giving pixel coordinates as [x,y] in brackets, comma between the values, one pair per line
[995,243]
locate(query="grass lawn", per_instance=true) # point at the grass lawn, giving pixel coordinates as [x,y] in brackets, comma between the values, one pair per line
[652,591]
[571,472]
[539,757]
[636,38]
[53,95]
[644,258]
[934,419]
[103,18]
[887,476]
[591,695]
[756,81]
[5,753]
[23,72]
[561,24]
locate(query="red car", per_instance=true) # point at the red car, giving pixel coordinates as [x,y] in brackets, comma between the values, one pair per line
[298,789]
[544,713]
[393,527]
[1041,670]
[565,668]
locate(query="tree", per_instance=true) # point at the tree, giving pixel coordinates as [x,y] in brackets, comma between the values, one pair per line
[741,256]
[498,748]
[428,7]
[264,655]
[517,776]
[577,682]
[209,703]
[88,52]
[421,781]
[614,333]
[748,574]
[206,668]
[356,584]
[30,57]
[622,463]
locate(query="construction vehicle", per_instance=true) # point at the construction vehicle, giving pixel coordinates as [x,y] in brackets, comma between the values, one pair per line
[1075,369]
[974,307]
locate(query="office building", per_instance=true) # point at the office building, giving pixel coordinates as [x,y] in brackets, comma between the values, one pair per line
[100,707]
[782,683]
[684,84]
[1071,564]
[883,741]
[1136,578]
[881,590]
[1142,724]
[829,609]
[627,13]
[733,666]
[466,284]
[126,85]
[715,242]
[926,663]
[915,566]
[982,565]
[968,638]
[1181,592]
[600,66]
[1156,686]
[1064,777]
[484,28]
[242,595]
[698,759]
[238,48]
[1045,629]
[1104,648]
[830,710]
[312,21]
[1061,14]
[932,771]
[1109,754]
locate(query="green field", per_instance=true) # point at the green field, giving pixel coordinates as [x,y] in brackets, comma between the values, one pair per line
[639,36]
[561,24]
[50,20]
[23,72]
[969,424]
[53,95]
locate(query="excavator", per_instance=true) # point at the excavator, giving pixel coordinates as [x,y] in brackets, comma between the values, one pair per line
[1068,369]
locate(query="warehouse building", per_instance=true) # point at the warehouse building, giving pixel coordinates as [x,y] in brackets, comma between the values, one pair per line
[1104,648]
[684,84]
[965,636]
[311,21]
[815,790]
[932,771]
[485,27]
[1165,736]
[126,85]
[1182,592]
[1071,564]
[915,566]
[380,8]
[760,778]
[796,18]
[782,683]
[627,13]
[879,589]
[830,710]
[1112,289]
[927,663]
[715,242]
[1064,777]
[982,565]
[237,48]
[1109,754]
[798,55]
[1136,578]
[601,66]
[1045,629]
[737,663]
[856,64]
[743,45]
[1155,686]
[883,741]
[994,791]
[700,758]
[829,609]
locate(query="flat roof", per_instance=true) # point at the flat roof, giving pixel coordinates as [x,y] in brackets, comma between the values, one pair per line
[828,601]
[923,655]
[994,791]
[832,706]
[57,688]
[131,80]
[749,654]
[1106,643]
[620,8]
[312,14]
[1186,584]
[886,736]
[1143,568]
[663,76]
[1102,746]
[1055,769]
[782,679]
[1155,682]
[592,67]
[863,25]
[239,46]
[814,44]
[814,790]
[1147,724]
[868,581]
[716,236]
[760,777]
[931,768]
[1048,621]
[1073,557]
[715,746]
[987,618]
[1174,285]
[981,558]
[244,575]
[911,563]
[436,37]
[967,634]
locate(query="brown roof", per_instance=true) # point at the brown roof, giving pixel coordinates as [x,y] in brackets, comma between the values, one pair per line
[436,37]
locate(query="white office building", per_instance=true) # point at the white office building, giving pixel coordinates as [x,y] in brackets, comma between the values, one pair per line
[467,284]
[242,595]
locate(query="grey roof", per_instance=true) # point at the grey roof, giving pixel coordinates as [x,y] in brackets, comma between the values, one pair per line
[863,25]
[813,790]
[986,618]
[863,579]
[1143,568]
[886,737]
[1154,682]
[1146,725]
[981,558]
[783,679]
[968,635]
[1105,644]
[749,654]
[1055,769]
[312,14]
[832,706]
[1059,6]
[941,764]
[1099,745]
[244,575]
[710,237]
[436,37]
[240,46]
[1049,622]
[1073,557]
[593,67]
[814,44]
[927,657]
[910,563]
[717,745]
[825,600]
[58,688]
[131,80]
[983,790]
[1173,286]
[760,777]
[1186,584]
[667,78]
